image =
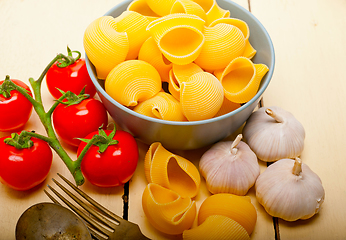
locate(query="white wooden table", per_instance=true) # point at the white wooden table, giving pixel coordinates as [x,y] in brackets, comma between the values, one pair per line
[309,80]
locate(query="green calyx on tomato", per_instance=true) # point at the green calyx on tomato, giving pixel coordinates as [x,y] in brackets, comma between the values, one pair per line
[19,141]
[25,101]
[69,59]
[6,87]
[108,157]
[72,98]
[102,140]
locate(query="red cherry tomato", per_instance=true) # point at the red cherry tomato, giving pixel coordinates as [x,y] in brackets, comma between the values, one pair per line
[71,78]
[78,120]
[113,167]
[15,110]
[22,169]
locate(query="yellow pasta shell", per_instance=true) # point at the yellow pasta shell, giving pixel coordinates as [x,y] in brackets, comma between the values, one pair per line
[180,74]
[201,96]
[242,25]
[133,81]
[249,51]
[166,210]
[162,106]
[171,171]
[161,7]
[223,43]
[241,79]
[189,7]
[104,45]
[179,36]
[227,107]
[217,227]
[135,25]
[150,53]
[142,7]
[213,10]
[238,208]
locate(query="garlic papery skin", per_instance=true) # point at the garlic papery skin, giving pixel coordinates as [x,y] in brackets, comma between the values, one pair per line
[229,167]
[274,133]
[290,190]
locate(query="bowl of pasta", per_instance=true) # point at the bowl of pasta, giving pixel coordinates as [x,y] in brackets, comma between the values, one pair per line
[183,73]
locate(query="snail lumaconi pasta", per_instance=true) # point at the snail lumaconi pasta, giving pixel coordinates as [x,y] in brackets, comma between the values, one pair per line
[142,7]
[213,10]
[215,54]
[166,210]
[105,45]
[171,171]
[238,208]
[217,227]
[241,79]
[189,7]
[191,49]
[135,26]
[201,96]
[162,106]
[150,53]
[161,7]
[227,107]
[133,81]
[243,27]
[179,36]
[249,51]
[179,74]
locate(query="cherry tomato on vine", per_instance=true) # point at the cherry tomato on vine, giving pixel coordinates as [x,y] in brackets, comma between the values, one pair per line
[111,163]
[72,78]
[27,167]
[15,109]
[78,120]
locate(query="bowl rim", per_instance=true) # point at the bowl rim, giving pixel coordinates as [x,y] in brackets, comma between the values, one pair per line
[259,93]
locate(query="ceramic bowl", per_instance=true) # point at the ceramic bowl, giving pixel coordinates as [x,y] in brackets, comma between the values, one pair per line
[194,134]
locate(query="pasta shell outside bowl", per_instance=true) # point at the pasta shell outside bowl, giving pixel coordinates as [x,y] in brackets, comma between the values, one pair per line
[192,134]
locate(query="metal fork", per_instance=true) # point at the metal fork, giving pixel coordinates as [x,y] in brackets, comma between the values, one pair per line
[102,223]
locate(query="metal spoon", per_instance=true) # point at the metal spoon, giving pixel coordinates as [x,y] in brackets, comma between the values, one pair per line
[50,221]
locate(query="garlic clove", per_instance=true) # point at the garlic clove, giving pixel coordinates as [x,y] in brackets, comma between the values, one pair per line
[290,190]
[238,208]
[229,167]
[217,227]
[274,133]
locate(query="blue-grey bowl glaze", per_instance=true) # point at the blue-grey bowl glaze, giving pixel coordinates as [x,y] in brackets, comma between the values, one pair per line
[194,134]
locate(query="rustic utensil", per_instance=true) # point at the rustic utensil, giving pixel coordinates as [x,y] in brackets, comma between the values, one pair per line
[102,223]
[50,221]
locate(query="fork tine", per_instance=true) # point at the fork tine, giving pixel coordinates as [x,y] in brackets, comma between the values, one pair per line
[91,221]
[92,201]
[91,230]
[86,207]
[51,197]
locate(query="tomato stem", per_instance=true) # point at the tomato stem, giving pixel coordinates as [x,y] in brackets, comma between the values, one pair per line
[46,117]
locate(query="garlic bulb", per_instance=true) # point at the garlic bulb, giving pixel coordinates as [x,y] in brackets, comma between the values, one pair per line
[229,167]
[273,134]
[290,190]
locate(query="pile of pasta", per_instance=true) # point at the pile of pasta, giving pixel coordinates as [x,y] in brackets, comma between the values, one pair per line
[193,46]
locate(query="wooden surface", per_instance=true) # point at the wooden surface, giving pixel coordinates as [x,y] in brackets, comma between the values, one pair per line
[309,81]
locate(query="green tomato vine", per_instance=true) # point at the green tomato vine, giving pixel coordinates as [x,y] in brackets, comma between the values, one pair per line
[46,118]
